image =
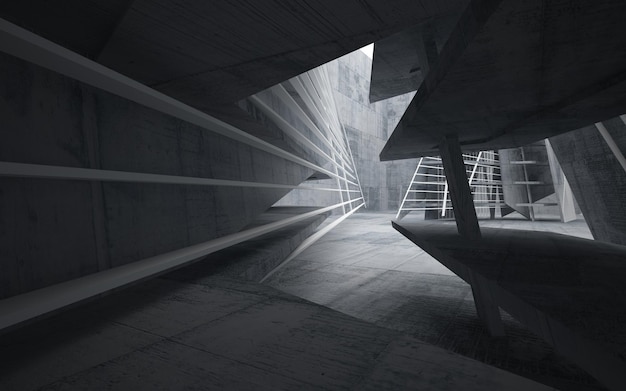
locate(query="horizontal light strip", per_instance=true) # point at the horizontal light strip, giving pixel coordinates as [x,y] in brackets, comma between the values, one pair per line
[526,162]
[289,101]
[327,189]
[429,183]
[286,97]
[316,81]
[450,208]
[476,202]
[433,167]
[487,165]
[289,129]
[25,170]
[309,241]
[18,309]
[33,48]
[447,208]
[467,163]
[298,83]
[474,183]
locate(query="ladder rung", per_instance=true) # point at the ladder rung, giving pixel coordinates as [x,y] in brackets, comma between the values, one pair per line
[536,204]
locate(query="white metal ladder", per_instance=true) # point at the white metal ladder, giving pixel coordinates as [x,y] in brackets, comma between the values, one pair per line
[429,179]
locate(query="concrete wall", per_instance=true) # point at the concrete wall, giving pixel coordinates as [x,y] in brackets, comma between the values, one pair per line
[596,178]
[301,197]
[368,126]
[515,194]
[55,230]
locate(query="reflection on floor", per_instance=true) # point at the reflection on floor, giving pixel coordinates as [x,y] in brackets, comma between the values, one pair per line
[366,269]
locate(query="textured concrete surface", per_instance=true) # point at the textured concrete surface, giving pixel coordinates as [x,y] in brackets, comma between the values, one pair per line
[55,230]
[207,53]
[539,172]
[459,188]
[596,178]
[567,290]
[254,259]
[402,60]
[513,72]
[396,69]
[368,125]
[366,269]
[226,334]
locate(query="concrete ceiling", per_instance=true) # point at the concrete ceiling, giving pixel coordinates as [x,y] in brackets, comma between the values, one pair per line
[83,26]
[401,60]
[513,72]
[208,53]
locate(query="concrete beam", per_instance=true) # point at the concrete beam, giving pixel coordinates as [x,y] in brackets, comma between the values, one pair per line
[486,306]
[460,192]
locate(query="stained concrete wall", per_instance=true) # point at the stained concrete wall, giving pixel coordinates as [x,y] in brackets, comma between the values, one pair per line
[596,178]
[55,230]
[368,126]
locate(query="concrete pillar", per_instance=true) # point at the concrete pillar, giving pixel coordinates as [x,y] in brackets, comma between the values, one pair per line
[460,193]
[467,226]
[486,307]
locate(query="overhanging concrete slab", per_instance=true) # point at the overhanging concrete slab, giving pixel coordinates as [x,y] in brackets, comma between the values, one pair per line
[568,290]
[516,72]
[402,60]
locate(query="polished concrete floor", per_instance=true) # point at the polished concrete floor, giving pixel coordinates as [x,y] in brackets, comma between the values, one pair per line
[366,269]
[208,328]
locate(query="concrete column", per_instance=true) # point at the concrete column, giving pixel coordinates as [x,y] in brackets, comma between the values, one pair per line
[486,307]
[460,193]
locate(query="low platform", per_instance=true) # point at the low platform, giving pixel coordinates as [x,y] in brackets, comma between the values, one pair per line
[568,290]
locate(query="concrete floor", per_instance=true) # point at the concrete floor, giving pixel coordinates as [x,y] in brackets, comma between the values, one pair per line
[225,334]
[201,328]
[568,290]
[366,269]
